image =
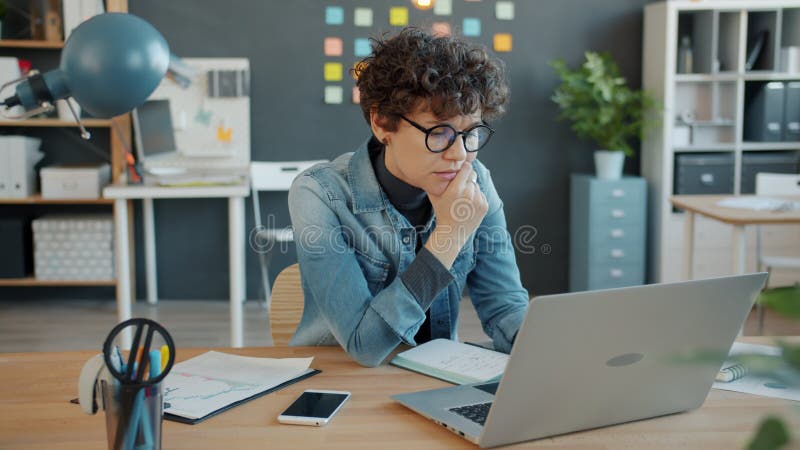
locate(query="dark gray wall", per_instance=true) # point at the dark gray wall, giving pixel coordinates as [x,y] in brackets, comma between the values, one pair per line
[531,156]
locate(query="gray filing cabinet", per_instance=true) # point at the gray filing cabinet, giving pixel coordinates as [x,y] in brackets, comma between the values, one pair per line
[607,232]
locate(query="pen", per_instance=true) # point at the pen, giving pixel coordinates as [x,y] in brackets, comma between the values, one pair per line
[164,356]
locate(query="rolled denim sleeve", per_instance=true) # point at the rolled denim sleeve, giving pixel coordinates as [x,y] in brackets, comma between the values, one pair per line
[494,284]
[368,327]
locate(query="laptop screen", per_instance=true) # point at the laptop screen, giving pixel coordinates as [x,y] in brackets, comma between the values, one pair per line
[152,124]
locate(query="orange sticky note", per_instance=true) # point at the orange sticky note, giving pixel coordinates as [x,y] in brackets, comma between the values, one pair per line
[502,42]
[333,71]
[441,29]
[333,46]
[224,134]
[398,16]
[356,95]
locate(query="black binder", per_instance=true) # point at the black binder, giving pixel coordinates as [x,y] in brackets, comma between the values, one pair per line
[791,113]
[764,112]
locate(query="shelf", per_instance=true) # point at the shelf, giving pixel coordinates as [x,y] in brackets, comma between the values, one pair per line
[750,146]
[90,123]
[30,43]
[706,148]
[31,281]
[732,76]
[771,76]
[705,77]
[38,200]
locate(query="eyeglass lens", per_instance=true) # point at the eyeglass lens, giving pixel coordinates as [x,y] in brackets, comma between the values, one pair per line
[443,136]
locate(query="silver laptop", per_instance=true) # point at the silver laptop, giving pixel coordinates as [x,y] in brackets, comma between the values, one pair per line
[590,359]
[154,135]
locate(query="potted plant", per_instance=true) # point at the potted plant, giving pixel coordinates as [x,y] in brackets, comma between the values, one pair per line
[602,108]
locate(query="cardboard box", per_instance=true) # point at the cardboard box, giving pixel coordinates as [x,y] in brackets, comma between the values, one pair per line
[74,181]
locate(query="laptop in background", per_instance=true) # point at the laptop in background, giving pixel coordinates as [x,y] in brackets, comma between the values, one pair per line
[156,149]
[584,360]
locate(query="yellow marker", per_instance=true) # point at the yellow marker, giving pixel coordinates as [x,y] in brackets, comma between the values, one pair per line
[224,134]
[333,71]
[164,357]
[398,16]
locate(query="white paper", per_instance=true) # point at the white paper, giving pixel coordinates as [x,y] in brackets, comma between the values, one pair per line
[759,203]
[758,385]
[213,380]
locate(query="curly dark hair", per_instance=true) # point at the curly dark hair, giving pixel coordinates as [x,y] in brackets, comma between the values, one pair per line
[447,75]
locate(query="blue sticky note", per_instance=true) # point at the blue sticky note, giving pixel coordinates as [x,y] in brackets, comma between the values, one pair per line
[472,26]
[334,15]
[362,47]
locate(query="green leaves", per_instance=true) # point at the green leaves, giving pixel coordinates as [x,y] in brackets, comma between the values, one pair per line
[784,300]
[771,435]
[598,102]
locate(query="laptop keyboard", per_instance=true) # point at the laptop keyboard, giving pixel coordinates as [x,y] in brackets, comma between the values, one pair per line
[476,413]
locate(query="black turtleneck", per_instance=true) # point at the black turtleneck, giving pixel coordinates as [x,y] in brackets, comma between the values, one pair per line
[425,277]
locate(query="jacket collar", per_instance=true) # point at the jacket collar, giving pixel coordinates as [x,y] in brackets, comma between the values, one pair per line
[367,193]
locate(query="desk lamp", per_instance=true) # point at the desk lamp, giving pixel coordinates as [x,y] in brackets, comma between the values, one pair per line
[110,64]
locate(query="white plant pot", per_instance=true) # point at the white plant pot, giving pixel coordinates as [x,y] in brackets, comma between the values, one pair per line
[608,164]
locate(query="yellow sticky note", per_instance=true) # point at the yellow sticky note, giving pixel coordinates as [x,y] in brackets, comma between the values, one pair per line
[333,46]
[502,42]
[441,29]
[333,71]
[398,16]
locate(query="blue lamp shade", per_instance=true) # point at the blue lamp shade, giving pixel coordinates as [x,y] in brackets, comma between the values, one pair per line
[110,65]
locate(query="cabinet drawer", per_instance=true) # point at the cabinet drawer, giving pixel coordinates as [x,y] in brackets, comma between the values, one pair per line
[616,234]
[617,253]
[608,216]
[623,192]
[604,276]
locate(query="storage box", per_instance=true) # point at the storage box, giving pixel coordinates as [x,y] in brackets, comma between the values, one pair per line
[74,247]
[704,173]
[74,181]
[773,162]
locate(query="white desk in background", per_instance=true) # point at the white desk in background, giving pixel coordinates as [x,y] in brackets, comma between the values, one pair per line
[236,242]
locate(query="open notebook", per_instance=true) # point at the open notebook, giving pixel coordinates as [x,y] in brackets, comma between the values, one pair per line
[453,361]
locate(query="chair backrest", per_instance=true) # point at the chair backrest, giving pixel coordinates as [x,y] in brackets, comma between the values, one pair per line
[286,306]
[777,184]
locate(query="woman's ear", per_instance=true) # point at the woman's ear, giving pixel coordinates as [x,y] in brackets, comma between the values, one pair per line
[375,121]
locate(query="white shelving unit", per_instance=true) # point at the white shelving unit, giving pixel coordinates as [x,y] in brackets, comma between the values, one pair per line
[714,93]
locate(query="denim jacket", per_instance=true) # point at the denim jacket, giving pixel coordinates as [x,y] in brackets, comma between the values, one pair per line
[351,245]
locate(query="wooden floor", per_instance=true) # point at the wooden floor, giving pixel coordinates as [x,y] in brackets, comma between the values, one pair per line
[82,325]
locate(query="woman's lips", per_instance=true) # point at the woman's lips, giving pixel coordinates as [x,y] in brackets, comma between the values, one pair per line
[447,176]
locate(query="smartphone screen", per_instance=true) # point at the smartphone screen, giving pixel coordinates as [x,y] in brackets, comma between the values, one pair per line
[315,404]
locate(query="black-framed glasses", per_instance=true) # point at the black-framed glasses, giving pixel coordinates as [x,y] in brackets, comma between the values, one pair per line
[440,137]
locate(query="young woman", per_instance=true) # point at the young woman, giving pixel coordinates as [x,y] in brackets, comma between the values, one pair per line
[389,236]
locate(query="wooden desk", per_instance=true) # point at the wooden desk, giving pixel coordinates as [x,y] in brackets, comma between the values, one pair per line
[706,205]
[35,390]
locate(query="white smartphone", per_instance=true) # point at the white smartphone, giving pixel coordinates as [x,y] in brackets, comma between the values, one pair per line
[314,407]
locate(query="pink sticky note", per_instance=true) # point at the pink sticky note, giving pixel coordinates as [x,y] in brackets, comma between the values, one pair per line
[333,46]
[441,29]
[356,95]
